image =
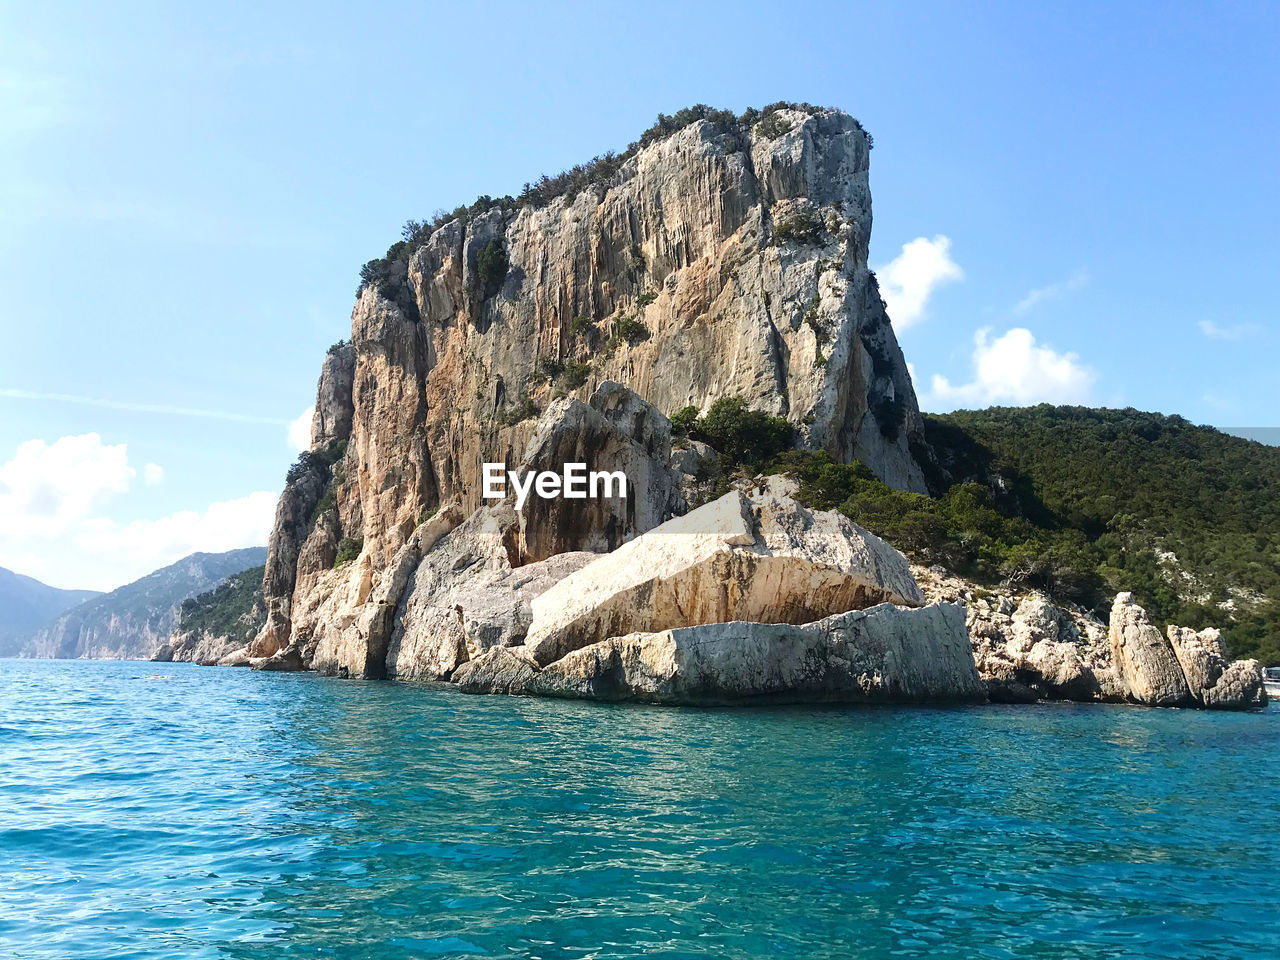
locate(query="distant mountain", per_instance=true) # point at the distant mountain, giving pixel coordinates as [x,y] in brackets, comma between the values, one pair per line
[133,622]
[27,604]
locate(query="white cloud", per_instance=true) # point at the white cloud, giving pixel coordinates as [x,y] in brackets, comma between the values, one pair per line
[1051,292]
[300,431]
[47,488]
[1014,369]
[54,523]
[1238,332]
[909,280]
[142,546]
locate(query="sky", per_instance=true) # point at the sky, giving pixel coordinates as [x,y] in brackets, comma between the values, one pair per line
[1073,205]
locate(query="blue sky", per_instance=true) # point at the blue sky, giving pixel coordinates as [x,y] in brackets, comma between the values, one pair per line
[186,197]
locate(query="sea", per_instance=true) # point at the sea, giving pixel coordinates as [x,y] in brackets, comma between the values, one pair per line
[174,811]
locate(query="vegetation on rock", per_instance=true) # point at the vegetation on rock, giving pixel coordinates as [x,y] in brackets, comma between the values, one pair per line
[1082,504]
[743,437]
[629,329]
[522,409]
[492,264]
[390,271]
[348,549]
[804,226]
[1186,517]
[228,610]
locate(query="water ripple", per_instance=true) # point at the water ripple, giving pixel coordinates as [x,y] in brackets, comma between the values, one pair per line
[161,810]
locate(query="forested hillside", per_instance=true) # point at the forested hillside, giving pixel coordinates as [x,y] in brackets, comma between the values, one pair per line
[1086,502]
[1185,516]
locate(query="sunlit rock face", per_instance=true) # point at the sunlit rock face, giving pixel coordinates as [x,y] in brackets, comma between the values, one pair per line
[720,261]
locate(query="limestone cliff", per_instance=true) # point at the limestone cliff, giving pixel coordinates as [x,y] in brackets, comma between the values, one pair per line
[724,258]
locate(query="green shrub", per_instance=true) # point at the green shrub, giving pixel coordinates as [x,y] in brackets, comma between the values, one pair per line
[745,437]
[814,321]
[803,226]
[328,501]
[231,609]
[581,326]
[645,299]
[684,420]
[575,374]
[773,126]
[889,412]
[321,459]
[629,329]
[548,368]
[492,265]
[348,549]
[523,409]
[1109,492]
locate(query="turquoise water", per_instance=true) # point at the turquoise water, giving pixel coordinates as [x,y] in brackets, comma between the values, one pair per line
[166,810]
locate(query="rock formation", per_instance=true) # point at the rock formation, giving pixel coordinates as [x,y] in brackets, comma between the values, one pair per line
[723,259]
[617,431]
[1028,648]
[759,557]
[719,258]
[1144,659]
[215,627]
[1184,668]
[26,604]
[880,655]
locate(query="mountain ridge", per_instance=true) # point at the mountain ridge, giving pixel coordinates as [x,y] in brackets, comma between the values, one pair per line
[26,604]
[133,621]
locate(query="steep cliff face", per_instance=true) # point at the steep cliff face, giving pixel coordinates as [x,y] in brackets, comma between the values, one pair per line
[726,259]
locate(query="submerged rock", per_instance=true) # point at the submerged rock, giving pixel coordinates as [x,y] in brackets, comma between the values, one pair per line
[499,670]
[760,557]
[886,654]
[288,660]
[236,658]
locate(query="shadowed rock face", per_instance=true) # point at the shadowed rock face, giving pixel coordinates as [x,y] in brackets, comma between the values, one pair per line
[465,597]
[614,431]
[693,284]
[334,404]
[460,585]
